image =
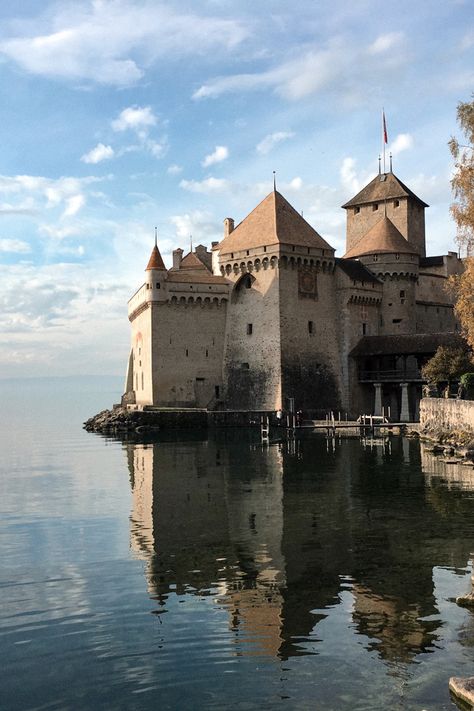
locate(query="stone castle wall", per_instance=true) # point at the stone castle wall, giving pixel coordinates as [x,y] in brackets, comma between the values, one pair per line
[252,360]
[188,347]
[309,347]
[439,414]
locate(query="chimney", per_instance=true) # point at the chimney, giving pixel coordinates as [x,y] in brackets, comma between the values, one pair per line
[177,257]
[228,226]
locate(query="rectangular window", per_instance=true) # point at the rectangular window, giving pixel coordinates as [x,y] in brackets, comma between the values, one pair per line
[310,327]
[396,203]
[216,390]
[364,329]
[402,294]
[249,329]
[187,352]
[356,210]
[200,380]
[375,207]
[158,285]
[207,353]
[245,366]
[396,320]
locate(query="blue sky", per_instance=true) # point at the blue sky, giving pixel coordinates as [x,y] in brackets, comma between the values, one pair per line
[117,116]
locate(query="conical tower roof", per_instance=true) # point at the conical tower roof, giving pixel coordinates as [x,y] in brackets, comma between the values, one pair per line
[273,221]
[385,186]
[382,238]
[155,261]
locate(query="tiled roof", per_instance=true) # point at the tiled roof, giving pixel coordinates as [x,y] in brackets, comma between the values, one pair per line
[155,261]
[192,261]
[383,187]
[382,238]
[356,271]
[405,343]
[273,221]
[195,277]
[192,270]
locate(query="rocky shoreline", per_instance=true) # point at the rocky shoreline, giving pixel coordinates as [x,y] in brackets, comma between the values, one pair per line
[121,421]
[459,444]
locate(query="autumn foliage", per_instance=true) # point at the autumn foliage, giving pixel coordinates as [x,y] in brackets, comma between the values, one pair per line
[462,211]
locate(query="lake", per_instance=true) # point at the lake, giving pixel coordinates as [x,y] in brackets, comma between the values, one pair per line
[198,571]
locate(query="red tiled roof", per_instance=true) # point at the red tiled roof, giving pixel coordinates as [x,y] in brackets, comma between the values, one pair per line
[273,221]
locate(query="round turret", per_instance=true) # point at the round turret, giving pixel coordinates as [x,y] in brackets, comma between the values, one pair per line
[156,276]
[394,261]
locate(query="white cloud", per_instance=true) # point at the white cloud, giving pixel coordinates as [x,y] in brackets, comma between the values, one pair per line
[217,156]
[403,142]
[136,118]
[73,205]
[115,42]
[198,223]
[174,169]
[98,154]
[209,185]
[385,42]
[15,246]
[338,68]
[156,149]
[272,139]
[34,193]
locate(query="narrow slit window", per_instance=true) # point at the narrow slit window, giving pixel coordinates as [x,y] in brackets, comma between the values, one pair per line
[249,329]
[310,327]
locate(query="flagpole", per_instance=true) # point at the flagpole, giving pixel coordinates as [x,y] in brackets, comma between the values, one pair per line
[383,138]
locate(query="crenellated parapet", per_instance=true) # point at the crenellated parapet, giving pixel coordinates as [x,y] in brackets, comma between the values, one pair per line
[236,268]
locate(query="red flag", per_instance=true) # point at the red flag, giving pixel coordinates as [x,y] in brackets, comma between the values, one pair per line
[384,128]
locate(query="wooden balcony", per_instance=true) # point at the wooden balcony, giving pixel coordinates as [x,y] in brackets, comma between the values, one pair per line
[407,375]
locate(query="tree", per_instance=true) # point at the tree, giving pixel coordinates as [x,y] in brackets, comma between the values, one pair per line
[447,364]
[462,211]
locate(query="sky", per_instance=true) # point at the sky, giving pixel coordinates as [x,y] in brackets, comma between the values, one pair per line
[121,115]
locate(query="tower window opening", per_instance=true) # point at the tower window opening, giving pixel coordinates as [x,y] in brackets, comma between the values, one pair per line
[216,390]
[356,210]
[396,320]
[310,327]
[207,353]
[245,366]
[187,353]
[249,329]
[402,294]
[376,257]
[375,207]
[143,383]
[158,285]
[264,249]
[396,203]
[248,252]
[397,256]
[364,329]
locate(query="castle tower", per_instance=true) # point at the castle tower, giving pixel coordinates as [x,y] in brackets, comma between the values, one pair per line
[386,194]
[280,339]
[394,261]
[139,383]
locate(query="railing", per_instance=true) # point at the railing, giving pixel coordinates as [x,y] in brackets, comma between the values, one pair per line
[394,376]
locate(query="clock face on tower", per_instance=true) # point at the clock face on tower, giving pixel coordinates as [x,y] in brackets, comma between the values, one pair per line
[307,283]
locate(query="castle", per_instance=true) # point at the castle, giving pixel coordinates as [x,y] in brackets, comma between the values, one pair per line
[270,319]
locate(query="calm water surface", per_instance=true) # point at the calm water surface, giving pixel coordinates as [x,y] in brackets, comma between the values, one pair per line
[212,573]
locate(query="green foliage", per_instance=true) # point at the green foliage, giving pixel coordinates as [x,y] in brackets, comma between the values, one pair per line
[448,363]
[467,380]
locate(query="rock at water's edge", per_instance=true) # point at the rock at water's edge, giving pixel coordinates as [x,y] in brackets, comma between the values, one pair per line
[463,688]
[466,600]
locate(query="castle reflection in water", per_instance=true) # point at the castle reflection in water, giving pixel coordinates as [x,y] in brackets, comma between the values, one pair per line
[281,536]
